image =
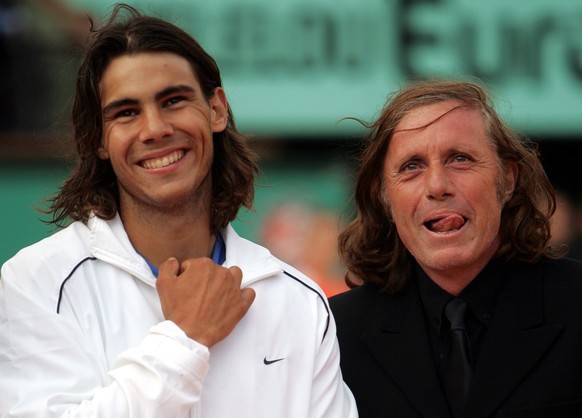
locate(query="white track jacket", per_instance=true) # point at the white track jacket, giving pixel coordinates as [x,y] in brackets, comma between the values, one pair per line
[82,335]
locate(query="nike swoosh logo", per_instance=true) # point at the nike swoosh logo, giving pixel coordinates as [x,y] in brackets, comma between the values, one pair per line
[267,362]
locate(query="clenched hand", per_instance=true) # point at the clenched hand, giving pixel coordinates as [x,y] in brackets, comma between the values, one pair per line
[204,299]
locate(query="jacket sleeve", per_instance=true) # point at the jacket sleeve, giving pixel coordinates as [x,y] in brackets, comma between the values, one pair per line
[330,395]
[46,373]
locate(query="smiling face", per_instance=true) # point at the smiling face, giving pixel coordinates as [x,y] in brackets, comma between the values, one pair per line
[445,188]
[157,131]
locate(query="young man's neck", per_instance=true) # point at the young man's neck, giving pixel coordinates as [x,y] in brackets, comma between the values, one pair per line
[158,237]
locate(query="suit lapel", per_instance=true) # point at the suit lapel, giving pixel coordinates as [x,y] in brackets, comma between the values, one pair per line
[404,353]
[514,343]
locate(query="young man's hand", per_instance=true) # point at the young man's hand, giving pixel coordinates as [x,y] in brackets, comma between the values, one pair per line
[204,299]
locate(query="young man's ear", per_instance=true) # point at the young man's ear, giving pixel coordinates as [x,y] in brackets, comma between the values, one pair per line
[218,110]
[102,153]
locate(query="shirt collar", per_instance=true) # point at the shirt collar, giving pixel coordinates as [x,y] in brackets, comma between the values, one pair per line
[219,250]
[480,294]
[433,298]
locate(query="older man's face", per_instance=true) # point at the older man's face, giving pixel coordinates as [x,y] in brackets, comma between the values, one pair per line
[446,190]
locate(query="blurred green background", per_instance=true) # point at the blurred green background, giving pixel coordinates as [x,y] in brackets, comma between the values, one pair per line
[293,70]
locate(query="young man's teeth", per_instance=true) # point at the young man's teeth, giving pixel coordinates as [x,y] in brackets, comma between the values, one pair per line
[165,161]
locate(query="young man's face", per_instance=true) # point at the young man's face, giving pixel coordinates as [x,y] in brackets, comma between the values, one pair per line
[157,130]
[446,189]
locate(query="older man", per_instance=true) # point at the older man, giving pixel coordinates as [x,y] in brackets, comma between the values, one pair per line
[464,310]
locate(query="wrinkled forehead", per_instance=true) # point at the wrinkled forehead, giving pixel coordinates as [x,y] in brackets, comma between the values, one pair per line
[424,115]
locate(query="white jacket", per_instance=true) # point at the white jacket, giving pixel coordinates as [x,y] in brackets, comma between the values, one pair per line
[82,335]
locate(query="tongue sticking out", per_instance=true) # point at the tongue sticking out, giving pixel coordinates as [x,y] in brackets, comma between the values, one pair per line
[447,224]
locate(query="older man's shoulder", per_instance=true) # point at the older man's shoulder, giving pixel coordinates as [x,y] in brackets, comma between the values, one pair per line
[564,271]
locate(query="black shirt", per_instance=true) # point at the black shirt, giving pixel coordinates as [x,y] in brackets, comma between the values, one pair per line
[480,295]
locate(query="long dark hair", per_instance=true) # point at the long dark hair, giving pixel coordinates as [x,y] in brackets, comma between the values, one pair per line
[92,185]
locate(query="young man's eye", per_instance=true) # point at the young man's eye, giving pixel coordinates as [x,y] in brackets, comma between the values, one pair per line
[125,113]
[174,100]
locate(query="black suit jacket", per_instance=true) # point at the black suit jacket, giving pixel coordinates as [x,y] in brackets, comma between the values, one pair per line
[530,363]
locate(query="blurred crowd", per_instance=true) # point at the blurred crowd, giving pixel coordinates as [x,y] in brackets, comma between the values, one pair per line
[306,237]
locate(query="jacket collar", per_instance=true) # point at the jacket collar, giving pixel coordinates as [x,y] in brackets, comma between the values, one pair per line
[256,262]
[109,242]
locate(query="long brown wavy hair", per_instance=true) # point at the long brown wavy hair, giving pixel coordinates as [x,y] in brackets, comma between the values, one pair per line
[92,184]
[370,247]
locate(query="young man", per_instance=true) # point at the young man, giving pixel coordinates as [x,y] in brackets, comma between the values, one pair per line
[464,311]
[148,304]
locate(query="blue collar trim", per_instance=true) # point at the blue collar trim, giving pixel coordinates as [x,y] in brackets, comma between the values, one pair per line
[218,254]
